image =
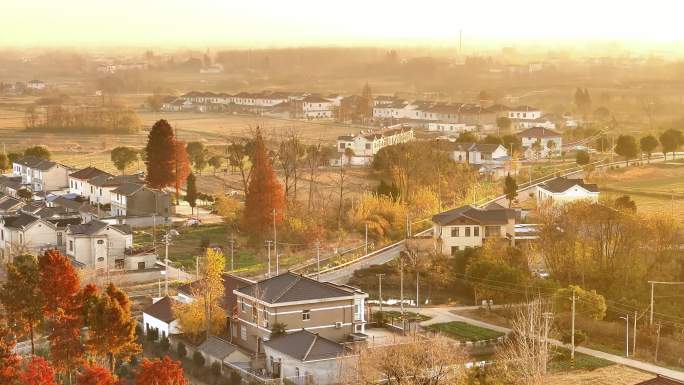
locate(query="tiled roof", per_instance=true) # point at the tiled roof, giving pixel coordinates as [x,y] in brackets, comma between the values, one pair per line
[560,184]
[20,220]
[9,203]
[95,226]
[482,216]
[128,188]
[315,99]
[217,347]
[161,310]
[525,108]
[35,162]
[661,381]
[88,173]
[481,147]
[290,287]
[12,182]
[539,132]
[306,346]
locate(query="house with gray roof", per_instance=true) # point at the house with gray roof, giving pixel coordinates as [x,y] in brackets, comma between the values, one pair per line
[562,190]
[132,199]
[336,312]
[304,357]
[9,185]
[469,226]
[215,349]
[106,247]
[29,233]
[41,175]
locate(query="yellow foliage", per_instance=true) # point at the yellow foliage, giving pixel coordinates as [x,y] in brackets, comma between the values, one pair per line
[229,208]
[192,320]
[386,217]
[424,203]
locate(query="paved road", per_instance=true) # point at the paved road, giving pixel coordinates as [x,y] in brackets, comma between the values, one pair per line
[445,314]
[342,275]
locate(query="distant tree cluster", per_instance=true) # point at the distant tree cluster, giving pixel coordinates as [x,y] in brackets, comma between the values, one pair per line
[96,120]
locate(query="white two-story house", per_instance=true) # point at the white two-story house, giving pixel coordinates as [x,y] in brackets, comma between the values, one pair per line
[469,226]
[479,153]
[29,233]
[550,142]
[79,181]
[364,146]
[563,190]
[41,175]
[315,107]
[524,112]
[99,245]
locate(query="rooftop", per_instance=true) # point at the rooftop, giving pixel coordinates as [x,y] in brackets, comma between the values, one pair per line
[217,347]
[539,132]
[161,310]
[291,287]
[561,184]
[494,216]
[306,346]
[35,162]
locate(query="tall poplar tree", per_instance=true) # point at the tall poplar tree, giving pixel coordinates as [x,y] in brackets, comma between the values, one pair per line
[264,194]
[191,192]
[161,154]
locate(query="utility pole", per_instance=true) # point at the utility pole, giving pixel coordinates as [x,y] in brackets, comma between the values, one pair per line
[166,264]
[655,359]
[572,337]
[547,318]
[275,243]
[232,253]
[401,284]
[417,286]
[652,297]
[634,334]
[268,244]
[626,318]
[366,244]
[380,275]
[318,260]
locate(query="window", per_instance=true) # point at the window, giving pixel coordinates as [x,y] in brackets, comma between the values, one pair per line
[21,238]
[60,241]
[368,146]
[476,231]
[243,332]
[2,235]
[242,304]
[141,265]
[306,315]
[100,242]
[296,372]
[71,245]
[100,259]
[455,232]
[467,231]
[492,231]
[342,146]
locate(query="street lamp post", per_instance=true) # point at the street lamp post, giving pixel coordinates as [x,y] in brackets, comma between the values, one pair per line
[626,318]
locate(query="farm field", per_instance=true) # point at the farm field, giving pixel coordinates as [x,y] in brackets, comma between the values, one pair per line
[656,188]
[464,332]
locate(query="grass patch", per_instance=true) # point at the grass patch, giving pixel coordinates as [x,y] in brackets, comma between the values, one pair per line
[412,316]
[561,361]
[465,332]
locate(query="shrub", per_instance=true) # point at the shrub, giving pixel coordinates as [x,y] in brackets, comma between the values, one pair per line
[235,378]
[198,359]
[164,344]
[380,318]
[216,368]
[182,351]
[152,335]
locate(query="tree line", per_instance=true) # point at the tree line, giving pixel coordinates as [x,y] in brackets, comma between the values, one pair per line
[109,119]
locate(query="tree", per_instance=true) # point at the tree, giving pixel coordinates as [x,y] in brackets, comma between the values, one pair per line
[583,101]
[216,162]
[161,155]
[626,203]
[588,302]
[197,154]
[160,372]
[627,147]
[25,194]
[39,152]
[290,155]
[492,139]
[316,156]
[278,329]
[481,273]
[602,143]
[264,200]
[228,208]
[14,156]
[181,166]
[648,144]
[9,360]
[550,146]
[155,102]
[123,157]
[198,359]
[60,283]
[5,163]
[96,375]
[366,103]
[504,123]
[466,137]
[38,372]
[191,192]
[671,140]
[182,351]
[204,314]
[21,295]
[111,331]
[239,156]
[582,158]
[510,189]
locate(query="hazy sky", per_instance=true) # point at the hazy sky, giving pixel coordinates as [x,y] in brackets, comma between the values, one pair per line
[343,22]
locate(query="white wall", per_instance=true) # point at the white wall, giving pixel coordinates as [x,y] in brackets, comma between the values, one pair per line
[324,372]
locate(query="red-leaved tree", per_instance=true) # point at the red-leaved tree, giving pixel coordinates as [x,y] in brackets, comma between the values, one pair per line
[264,194]
[181,165]
[9,360]
[160,152]
[160,372]
[96,375]
[38,372]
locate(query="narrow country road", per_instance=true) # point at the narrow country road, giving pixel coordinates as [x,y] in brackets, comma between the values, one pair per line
[342,275]
[445,314]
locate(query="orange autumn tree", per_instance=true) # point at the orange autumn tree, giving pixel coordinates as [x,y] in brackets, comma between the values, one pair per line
[160,372]
[63,311]
[96,375]
[38,372]
[264,193]
[9,360]
[111,327]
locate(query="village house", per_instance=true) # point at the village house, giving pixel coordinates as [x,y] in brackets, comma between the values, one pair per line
[364,146]
[41,175]
[36,85]
[335,312]
[10,184]
[159,316]
[29,233]
[136,199]
[563,190]
[524,112]
[549,142]
[315,107]
[479,153]
[10,205]
[449,128]
[97,185]
[469,226]
[304,357]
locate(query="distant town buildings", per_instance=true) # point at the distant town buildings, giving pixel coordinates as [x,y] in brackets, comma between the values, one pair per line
[363,146]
